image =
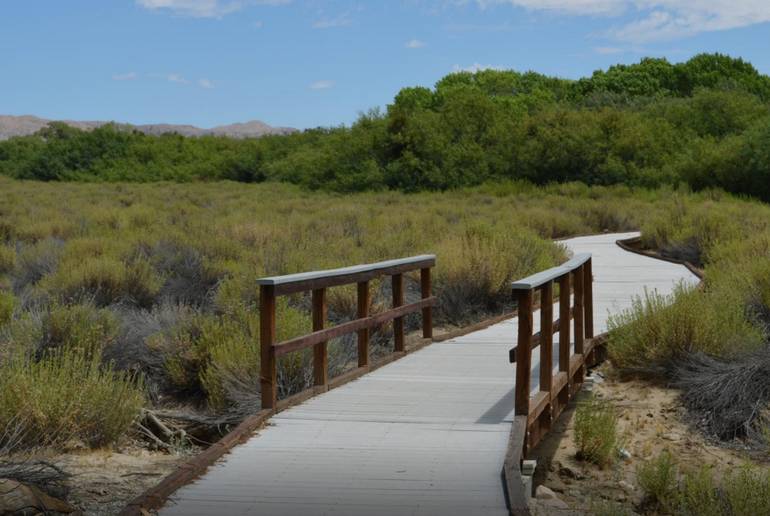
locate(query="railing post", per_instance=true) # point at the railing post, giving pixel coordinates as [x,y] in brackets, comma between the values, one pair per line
[268,373]
[398,322]
[588,289]
[579,314]
[523,352]
[363,335]
[427,312]
[320,351]
[546,338]
[564,324]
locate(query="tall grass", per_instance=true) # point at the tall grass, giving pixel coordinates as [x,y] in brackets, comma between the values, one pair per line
[658,329]
[67,396]
[596,432]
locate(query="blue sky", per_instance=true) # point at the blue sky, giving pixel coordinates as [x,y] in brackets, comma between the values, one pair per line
[307,63]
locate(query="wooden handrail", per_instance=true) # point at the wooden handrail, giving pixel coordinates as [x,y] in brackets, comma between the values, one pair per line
[317,282]
[575,281]
[305,281]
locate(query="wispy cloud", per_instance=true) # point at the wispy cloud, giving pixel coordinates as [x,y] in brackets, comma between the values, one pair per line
[206,84]
[322,85]
[475,67]
[130,76]
[175,77]
[608,50]
[204,8]
[655,20]
[343,20]
[414,43]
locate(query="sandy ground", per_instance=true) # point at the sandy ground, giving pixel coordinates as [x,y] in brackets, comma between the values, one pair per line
[104,482]
[651,420]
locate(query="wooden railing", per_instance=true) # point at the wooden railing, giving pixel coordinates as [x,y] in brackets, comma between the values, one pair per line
[317,283]
[574,277]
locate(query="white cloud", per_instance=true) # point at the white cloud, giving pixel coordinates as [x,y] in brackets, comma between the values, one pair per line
[130,76]
[206,84]
[657,20]
[343,20]
[175,77]
[204,8]
[608,50]
[322,85]
[475,67]
[414,43]
[258,24]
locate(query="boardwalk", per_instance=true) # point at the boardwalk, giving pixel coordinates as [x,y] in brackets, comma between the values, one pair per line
[424,435]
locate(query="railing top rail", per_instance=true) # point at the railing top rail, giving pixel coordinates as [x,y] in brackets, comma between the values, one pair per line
[342,276]
[543,277]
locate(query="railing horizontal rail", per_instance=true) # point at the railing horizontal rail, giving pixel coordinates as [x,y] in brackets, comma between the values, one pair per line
[541,278]
[301,282]
[311,339]
[318,337]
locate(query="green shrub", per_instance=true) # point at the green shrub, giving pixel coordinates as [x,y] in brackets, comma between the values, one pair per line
[658,480]
[82,328]
[596,431]
[104,280]
[698,494]
[478,265]
[7,259]
[657,329]
[220,356]
[68,396]
[747,490]
[7,305]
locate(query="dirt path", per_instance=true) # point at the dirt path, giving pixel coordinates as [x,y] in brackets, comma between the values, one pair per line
[651,420]
[104,482]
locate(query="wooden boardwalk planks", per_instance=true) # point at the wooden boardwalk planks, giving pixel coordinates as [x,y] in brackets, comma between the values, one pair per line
[424,435]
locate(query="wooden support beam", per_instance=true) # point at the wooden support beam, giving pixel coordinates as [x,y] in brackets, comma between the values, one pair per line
[588,286]
[427,312]
[579,306]
[363,335]
[523,353]
[398,300]
[320,351]
[268,373]
[546,337]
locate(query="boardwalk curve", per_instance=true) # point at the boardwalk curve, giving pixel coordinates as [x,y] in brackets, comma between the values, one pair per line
[424,435]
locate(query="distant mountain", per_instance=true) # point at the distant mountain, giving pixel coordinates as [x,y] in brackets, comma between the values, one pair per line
[11,126]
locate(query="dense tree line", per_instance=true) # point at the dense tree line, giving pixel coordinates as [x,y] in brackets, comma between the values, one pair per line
[704,122]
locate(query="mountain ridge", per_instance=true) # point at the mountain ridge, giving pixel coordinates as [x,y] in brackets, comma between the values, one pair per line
[24,125]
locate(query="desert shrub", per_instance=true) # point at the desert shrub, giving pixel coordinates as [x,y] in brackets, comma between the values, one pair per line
[68,396]
[104,280]
[478,265]
[82,328]
[726,396]
[187,279]
[698,494]
[216,356]
[596,431]
[7,259]
[657,329]
[130,350]
[7,305]
[34,262]
[747,491]
[658,480]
